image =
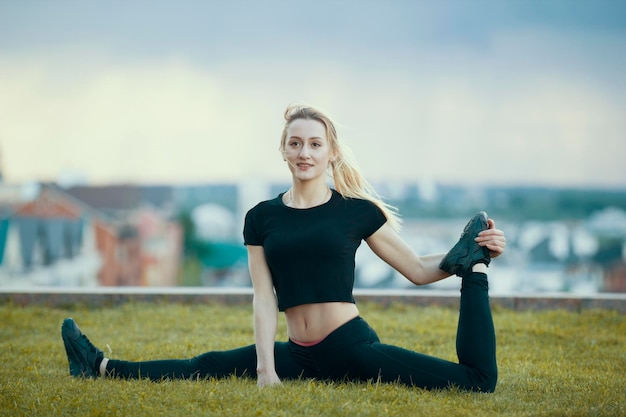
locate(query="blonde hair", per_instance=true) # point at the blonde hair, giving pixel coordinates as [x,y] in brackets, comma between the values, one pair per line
[345,173]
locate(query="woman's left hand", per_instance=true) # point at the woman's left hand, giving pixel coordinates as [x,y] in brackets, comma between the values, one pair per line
[493,239]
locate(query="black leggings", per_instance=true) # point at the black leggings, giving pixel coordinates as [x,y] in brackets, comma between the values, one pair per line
[354,352]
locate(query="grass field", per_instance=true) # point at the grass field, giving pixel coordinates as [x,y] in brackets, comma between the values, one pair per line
[551,363]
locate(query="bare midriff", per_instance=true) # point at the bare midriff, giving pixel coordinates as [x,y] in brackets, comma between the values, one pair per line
[311,323]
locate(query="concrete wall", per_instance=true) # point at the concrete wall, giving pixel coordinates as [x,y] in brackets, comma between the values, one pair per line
[112,296]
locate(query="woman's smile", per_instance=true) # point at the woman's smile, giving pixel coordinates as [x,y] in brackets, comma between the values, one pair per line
[306,149]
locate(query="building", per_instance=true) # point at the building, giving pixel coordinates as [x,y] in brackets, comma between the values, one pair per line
[52,238]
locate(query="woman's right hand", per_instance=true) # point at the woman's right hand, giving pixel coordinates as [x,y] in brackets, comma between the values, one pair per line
[267,379]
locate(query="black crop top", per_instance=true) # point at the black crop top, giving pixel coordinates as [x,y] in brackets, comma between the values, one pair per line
[310,252]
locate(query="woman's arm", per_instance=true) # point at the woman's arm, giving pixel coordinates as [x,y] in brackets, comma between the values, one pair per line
[421,270]
[265,316]
[389,247]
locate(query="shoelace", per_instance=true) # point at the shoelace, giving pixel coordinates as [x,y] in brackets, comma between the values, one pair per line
[92,354]
[88,343]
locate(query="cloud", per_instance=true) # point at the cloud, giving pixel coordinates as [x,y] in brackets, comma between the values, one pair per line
[508,103]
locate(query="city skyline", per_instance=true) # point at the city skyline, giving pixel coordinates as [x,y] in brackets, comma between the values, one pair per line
[519,92]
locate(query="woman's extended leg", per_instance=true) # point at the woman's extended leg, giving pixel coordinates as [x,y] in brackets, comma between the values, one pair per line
[85,359]
[219,364]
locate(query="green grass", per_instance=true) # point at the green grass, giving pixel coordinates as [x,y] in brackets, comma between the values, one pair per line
[551,363]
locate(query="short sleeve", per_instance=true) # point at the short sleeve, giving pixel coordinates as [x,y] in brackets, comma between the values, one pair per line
[367,218]
[375,221]
[251,235]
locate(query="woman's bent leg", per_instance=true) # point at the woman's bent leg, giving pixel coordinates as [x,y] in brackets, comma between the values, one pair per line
[355,352]
[476,337]
[386,363]
[475,342]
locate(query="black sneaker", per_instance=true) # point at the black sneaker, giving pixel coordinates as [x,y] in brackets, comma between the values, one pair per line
[84,358]
[467,253]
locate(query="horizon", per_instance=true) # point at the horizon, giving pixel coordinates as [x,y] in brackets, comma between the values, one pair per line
[287,182]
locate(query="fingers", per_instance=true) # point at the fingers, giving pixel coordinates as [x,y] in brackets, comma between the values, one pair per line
[495,251]
[492,238]
[490,234]
[264,380]
[496,247]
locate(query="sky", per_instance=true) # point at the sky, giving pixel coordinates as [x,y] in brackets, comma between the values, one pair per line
[450,91]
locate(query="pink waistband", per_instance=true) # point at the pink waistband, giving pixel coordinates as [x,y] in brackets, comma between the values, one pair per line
[306,344]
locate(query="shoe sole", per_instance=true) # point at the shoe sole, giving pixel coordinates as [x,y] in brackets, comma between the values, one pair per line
[461,253]
[74,366]
[77,366]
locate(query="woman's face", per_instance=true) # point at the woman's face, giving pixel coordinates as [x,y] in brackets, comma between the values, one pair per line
[306,149]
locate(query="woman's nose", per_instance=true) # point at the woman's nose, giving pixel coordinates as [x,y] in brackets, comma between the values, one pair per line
[304,152]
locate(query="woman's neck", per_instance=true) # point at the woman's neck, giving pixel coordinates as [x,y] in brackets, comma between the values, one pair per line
[300,196]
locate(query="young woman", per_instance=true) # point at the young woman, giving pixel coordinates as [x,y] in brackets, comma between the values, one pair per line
[301,249]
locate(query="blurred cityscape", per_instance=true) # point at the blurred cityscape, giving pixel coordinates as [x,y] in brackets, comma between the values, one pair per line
[571,240]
